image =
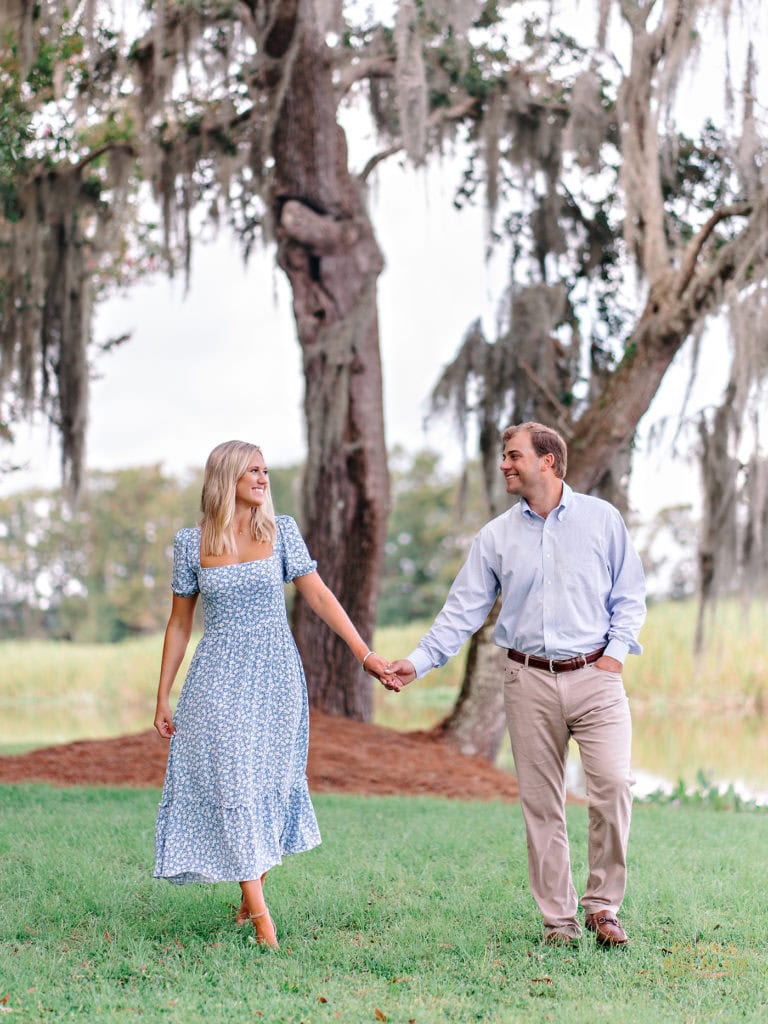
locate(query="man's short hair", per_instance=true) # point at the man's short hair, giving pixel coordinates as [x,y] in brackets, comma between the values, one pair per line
[545,441]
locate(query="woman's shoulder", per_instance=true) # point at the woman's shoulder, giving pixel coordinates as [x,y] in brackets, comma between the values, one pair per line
[288,531]
[187,533]
[187,539]
[286,524]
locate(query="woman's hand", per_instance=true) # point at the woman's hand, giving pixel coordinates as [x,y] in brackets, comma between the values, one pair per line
[164,721]
[381,669]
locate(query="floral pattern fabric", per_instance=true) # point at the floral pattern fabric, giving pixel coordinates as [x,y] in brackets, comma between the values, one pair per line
[235,799]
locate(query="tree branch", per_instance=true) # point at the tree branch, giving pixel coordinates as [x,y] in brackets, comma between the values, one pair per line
[382,66]
[546,390]
[667,321]
[742,255]
[316,231]
[42,169]
[691,254]
[100,151]
[377,158]
[438,116]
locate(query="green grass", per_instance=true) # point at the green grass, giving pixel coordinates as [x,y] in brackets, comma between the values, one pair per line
[416,908]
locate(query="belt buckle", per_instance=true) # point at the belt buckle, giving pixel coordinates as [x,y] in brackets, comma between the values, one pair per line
[552,668]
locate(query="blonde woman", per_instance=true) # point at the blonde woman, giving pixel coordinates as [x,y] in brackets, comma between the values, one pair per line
[235,799]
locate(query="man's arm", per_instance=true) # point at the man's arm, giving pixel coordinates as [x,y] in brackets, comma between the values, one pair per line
[626,602]
[466,608]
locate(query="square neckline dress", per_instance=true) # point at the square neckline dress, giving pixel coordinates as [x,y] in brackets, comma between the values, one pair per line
[235,799]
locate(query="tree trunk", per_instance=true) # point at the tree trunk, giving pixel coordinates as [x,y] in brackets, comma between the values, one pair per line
[327,248]
[476,724]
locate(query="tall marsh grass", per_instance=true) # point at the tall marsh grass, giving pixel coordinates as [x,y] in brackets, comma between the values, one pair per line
[691,713]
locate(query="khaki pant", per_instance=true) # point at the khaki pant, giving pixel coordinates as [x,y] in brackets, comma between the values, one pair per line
[544,710]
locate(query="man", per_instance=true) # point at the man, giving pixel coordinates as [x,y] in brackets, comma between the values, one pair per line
[572,604]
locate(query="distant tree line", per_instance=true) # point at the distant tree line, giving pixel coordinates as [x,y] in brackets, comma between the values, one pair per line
[101,572]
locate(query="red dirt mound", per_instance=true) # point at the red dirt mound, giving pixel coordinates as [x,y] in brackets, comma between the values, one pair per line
[344,757]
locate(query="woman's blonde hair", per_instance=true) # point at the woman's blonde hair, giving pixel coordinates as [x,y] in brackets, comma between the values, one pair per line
[223,468]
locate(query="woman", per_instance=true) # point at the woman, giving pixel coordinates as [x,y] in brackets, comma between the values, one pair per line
[235,799]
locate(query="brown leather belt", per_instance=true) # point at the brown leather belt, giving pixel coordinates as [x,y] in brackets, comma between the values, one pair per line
[569,665]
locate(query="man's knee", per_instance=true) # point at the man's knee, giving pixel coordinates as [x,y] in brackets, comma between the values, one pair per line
[611,788]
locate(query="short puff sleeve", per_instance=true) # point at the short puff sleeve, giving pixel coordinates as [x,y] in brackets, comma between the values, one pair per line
[186,561]
[296,558]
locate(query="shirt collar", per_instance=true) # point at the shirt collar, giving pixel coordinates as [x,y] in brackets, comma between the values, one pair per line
[559,510]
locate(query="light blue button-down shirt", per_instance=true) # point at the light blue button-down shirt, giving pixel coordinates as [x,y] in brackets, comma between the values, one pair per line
[570,584]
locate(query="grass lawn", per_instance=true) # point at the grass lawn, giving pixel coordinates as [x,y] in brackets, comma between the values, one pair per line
[412,910]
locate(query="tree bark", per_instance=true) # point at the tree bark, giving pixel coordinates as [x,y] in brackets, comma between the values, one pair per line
[327,248]
[476,725]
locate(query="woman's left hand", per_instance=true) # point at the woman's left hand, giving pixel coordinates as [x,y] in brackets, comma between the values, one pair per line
[379,667]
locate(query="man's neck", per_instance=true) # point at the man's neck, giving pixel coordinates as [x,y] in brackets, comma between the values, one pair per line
[547,499]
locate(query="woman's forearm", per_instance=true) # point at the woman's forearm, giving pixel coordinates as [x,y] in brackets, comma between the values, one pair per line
[324,604]
[174,648]
[177,634]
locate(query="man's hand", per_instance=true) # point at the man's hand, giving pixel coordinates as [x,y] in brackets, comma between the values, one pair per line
[403,673]
[609,664]
[381,669]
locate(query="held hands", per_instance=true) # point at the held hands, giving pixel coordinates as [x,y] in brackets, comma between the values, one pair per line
[388,673]
[404,673]
[380,669]
[164,721]
[392,675]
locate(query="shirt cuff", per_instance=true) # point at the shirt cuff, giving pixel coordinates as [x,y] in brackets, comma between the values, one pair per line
[616,649]
[420,661]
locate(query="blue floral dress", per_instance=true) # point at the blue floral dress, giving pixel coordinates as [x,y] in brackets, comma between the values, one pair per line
[235,799]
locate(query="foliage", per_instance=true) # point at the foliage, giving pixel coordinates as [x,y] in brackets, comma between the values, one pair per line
[411,910]
[427,536]
[705,793]
[613,210]
[15,132]
[667,547]
[583,183]
[100,571]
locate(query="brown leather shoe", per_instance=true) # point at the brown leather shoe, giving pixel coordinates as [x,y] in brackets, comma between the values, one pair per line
[607,928]
[556,938]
